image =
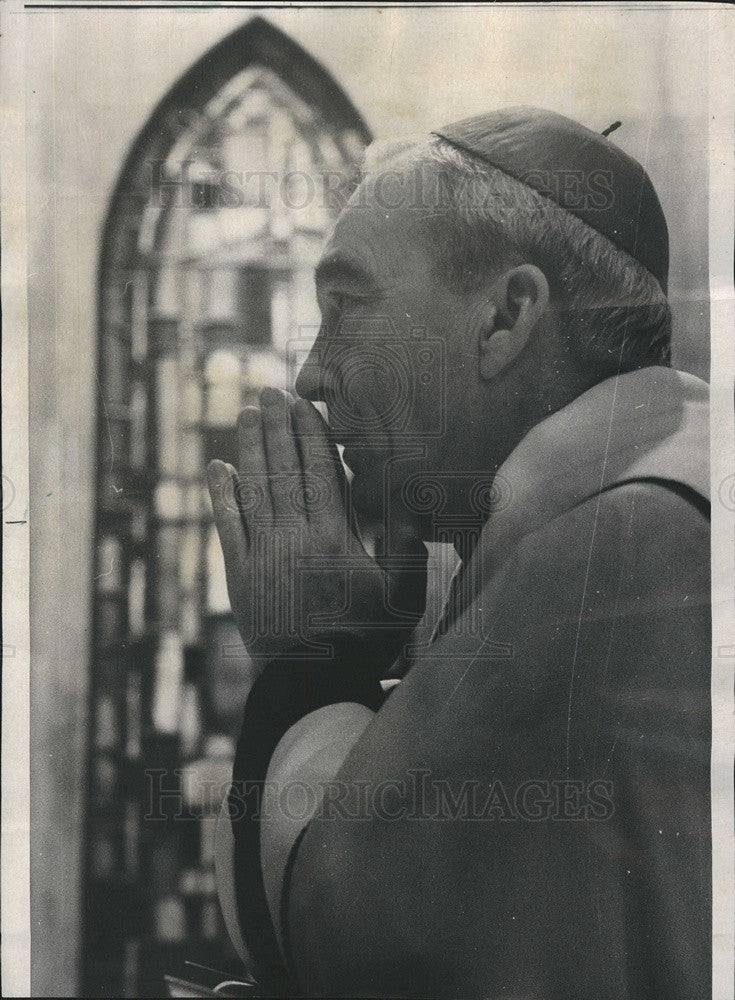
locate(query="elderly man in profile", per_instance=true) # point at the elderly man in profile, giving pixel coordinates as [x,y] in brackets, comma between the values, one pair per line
[526,813]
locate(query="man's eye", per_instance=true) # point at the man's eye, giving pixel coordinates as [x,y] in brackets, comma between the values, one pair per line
[342,302]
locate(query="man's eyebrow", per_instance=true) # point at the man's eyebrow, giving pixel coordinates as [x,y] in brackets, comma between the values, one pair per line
[337,264]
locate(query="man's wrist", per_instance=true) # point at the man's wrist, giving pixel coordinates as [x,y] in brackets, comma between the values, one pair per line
[290,686]
[284,692]
[337,656]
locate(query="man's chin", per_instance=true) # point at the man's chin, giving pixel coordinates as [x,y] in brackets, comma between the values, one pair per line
[372,498]
[367,498]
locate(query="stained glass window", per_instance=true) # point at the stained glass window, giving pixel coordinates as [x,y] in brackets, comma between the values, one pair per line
[206,296]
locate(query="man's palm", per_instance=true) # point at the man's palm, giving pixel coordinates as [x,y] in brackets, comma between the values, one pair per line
[300,581]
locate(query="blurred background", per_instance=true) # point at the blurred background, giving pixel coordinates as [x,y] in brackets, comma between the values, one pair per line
[160,301]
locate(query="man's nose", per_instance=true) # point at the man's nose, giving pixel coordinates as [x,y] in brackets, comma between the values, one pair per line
[310,380]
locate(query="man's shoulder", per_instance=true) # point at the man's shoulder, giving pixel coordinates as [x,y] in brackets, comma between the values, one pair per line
[623,575]
[611,600]
[659,530]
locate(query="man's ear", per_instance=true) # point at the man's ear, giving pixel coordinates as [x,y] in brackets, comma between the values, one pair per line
[518,299]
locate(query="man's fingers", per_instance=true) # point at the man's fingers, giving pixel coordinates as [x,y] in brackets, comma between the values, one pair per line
[227,517]
[253,493]
[284,465]
[324,476]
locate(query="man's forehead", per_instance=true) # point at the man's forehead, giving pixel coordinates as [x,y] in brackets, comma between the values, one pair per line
[382,213]
[391,185]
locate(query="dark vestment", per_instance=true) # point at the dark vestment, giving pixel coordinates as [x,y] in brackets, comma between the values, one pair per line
[543,829]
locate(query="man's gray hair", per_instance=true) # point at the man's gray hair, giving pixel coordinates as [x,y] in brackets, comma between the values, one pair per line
[613,310]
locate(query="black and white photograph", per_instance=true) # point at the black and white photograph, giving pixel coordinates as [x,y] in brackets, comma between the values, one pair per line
[368,478]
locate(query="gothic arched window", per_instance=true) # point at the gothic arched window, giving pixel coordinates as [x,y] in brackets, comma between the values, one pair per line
[206,294]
